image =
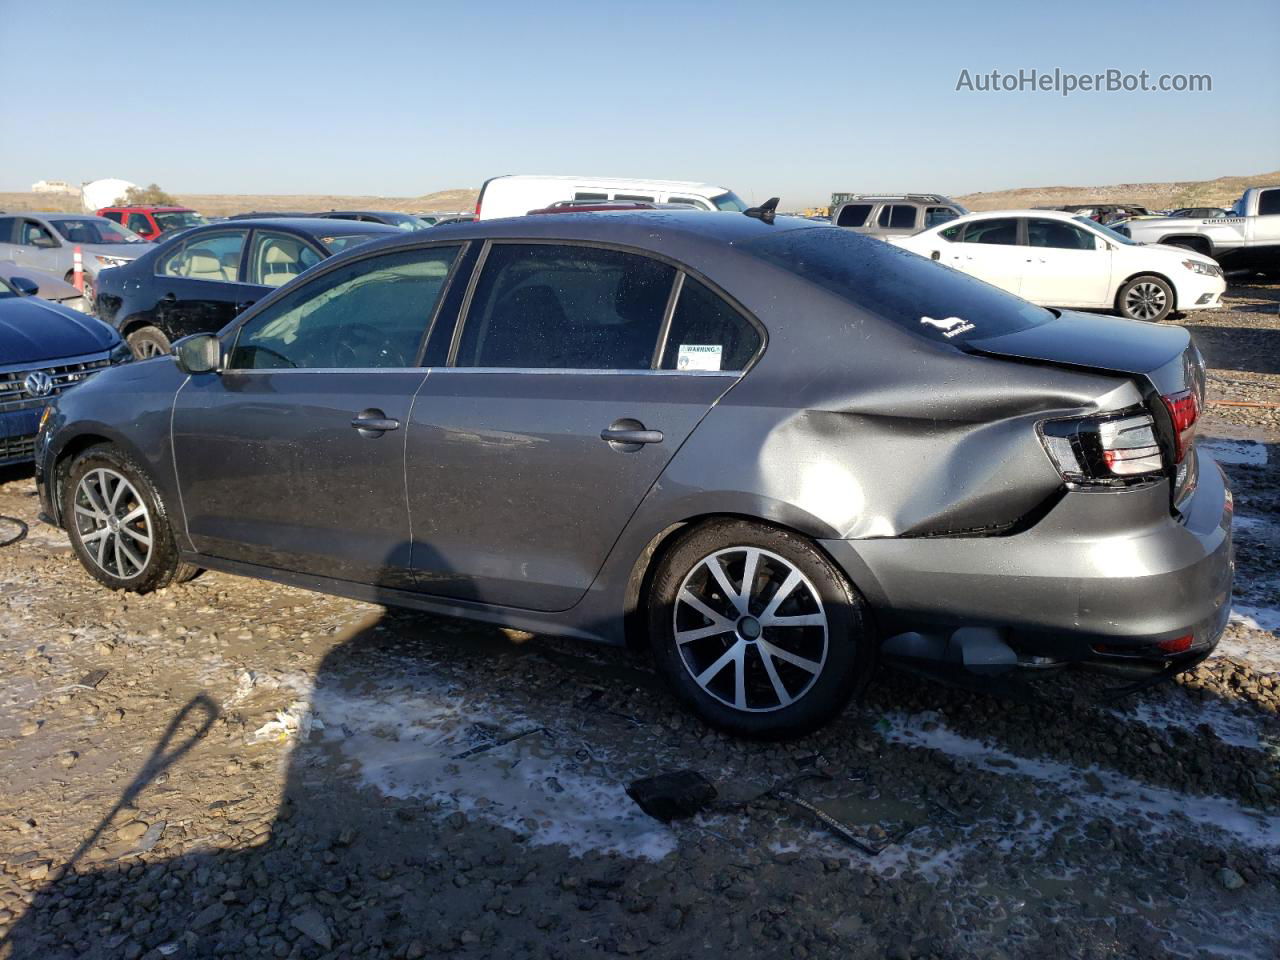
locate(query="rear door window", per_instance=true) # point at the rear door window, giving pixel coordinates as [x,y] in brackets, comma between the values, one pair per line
[115,215]
[1056,234]
[213,256]
[898,216]
[853,215]
[138,223]
[559,306]
[634,197]
[276,258]
[583,195]
[371,313]
[1001,230]
[692,201]
[707,333]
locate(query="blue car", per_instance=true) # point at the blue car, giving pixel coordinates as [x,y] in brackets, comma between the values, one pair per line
[45,349]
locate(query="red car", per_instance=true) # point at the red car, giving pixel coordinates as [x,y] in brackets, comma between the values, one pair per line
[151,222]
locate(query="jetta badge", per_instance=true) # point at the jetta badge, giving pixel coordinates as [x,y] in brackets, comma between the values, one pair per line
[950,326]
[38,384]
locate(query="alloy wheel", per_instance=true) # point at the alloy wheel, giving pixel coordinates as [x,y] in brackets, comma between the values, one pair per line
[750,629]
[113,523]
[148,348]
[1145,301]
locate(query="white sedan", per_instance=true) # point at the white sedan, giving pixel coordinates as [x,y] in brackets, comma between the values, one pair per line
[1060,260]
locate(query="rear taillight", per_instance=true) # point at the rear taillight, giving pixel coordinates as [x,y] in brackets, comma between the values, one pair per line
[1184,411]
[1112,450]
[479,200]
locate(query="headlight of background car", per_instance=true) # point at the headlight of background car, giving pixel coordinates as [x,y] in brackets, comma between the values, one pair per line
[110,261]
[121,353]
[1208,269]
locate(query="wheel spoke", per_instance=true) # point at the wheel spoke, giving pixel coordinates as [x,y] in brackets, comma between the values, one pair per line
[114,501]
[134,514]
[102,546]
[121,546]
[94,534]
[812,666]
[688,636]
[749,567]
[709,674]
[740,677]
[94,496]
[90,513]
[800,620]
[702,608]
[717,571]
[142,538]
[779,690]
[784,591]
[115,543]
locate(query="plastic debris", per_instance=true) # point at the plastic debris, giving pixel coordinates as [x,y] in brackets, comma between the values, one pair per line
[675,795]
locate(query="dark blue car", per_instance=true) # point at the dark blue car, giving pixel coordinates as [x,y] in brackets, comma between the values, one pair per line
[45,349]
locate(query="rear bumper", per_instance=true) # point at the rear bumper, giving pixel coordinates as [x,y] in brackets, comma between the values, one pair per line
[1104,578]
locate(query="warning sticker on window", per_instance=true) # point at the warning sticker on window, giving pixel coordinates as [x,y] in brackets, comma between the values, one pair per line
[699,356]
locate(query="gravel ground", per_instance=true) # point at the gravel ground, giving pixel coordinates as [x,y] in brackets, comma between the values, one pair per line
[233,768]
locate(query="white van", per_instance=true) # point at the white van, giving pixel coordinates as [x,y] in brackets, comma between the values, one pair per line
[514,195]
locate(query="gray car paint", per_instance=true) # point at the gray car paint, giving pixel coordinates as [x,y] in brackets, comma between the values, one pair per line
[893,450]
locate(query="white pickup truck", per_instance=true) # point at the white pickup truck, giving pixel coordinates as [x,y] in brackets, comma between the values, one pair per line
[1249,239]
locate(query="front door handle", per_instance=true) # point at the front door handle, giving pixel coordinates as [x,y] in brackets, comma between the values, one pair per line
[629,434]
[374,423]
[169,297]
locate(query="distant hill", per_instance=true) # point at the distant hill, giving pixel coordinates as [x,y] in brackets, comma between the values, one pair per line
[223,204]
[1157,196]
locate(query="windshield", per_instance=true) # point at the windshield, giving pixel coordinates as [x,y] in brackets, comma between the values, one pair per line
[177,221]
[406,221]
[94,230]
[910,291]
[1106,231]
[729,201]
[339,243]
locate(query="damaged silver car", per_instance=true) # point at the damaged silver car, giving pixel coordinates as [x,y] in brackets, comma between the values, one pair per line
[772,450]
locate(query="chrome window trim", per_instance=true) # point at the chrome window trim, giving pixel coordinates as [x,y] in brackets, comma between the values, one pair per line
[520,370]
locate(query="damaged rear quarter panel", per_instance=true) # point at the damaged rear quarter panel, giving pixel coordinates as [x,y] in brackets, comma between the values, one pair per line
[893,436]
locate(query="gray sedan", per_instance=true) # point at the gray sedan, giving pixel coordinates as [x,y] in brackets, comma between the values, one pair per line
[770,450]
[48,241]
[48,286]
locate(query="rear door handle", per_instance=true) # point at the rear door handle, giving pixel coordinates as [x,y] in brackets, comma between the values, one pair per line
[169,297]
[615,435]
[374,423]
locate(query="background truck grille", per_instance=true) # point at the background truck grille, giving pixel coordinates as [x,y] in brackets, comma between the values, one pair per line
[17,448]
[14,395]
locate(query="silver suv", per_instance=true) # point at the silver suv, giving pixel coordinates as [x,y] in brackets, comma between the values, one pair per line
[892,215]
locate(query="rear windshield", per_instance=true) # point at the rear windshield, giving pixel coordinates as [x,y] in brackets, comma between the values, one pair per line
[905,288]
[729,202]
[337,244]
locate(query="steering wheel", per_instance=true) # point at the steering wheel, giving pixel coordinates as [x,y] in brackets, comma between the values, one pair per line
[354,339]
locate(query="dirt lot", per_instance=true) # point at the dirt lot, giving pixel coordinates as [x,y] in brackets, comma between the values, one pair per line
[231,768]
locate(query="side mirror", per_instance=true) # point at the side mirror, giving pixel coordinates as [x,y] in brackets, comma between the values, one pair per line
[24,286]
[198,353]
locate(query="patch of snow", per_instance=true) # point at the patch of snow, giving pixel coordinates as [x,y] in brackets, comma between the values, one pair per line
[1155,809]
[1246,453]
[490,764]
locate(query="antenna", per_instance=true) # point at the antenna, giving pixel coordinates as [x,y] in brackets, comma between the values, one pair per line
[765,212]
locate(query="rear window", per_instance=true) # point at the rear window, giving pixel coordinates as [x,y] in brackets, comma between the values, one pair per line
[898,216]
[904,288]
[1269,203]
[337,244]
[853,215]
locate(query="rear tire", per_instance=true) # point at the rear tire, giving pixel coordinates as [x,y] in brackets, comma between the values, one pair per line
[148,342]
[1147,297]
[750,662]
[118,525]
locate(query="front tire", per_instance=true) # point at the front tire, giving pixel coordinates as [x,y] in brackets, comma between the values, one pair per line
[146,342]
[756,631]
[1148,298]
[119,528]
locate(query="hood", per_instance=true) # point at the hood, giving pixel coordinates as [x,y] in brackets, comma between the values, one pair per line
[1182,253]
[32,329]
[126,250]
[1163,355]
[52,287]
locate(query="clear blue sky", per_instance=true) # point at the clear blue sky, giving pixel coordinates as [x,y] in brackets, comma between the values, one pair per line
[793,98]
